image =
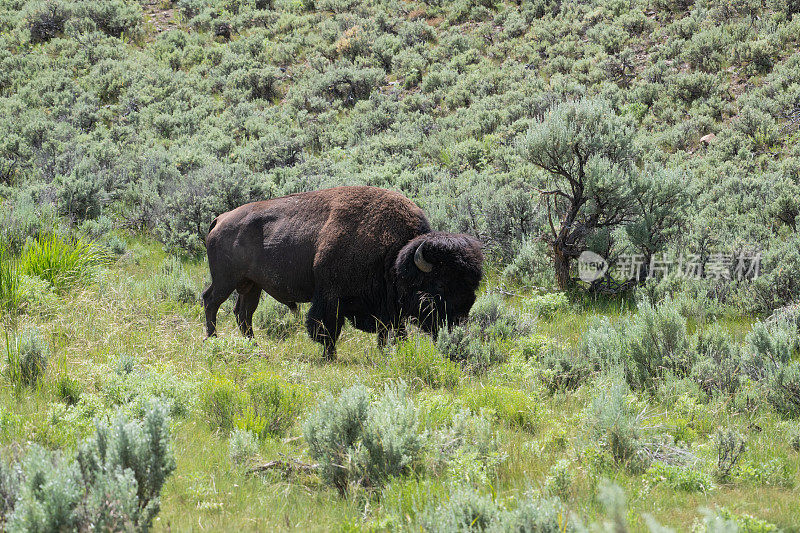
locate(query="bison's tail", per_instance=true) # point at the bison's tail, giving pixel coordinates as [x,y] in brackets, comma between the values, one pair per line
[211,227]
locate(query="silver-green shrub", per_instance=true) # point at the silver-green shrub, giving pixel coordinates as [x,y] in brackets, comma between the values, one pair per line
[656,340]
[465,344]
[465,511]
[719,362]
[242,445]
[33,353]
[362,442]
[112,484]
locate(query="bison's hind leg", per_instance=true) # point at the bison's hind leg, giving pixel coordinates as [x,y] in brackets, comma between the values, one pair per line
[246,304]
[213,296]
[294,308]
[324,323]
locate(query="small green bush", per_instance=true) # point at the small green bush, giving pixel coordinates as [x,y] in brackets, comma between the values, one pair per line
[465,511]
[221,401]
[730,447]
[417,360]
[546,515]
[114,17]
[36,295]
[173,283]
[512,406]
[47,21]
[332,433]
[723,520]
[765,472]
[273,405]
[391,436]
[655,341]
[562,369]
[783,390]
[769,346]
[603,346]
[559,480]
[547,306]
[719,364]
[230,348]
[466,449]
[495,320]
[530,266]
[532,347]
[613,421]
[794,440]
[117,245]
[465,345]
[678,478]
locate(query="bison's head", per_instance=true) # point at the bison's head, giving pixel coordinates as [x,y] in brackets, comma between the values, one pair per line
[437,276]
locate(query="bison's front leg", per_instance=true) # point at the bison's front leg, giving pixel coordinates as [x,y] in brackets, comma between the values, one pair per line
[324,323]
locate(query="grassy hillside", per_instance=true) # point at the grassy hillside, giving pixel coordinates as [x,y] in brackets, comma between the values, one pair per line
[126,127]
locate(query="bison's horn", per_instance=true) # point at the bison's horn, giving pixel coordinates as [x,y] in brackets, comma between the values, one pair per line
[419,260]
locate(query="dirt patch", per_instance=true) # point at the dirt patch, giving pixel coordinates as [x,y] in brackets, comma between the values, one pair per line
[160,18]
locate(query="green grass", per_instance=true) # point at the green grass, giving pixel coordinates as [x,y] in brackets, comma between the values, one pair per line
[95,328]
[64,262]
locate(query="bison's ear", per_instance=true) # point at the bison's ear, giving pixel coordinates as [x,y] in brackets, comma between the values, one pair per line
[419,259]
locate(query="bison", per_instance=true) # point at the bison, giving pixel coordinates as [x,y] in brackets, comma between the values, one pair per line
[362,254]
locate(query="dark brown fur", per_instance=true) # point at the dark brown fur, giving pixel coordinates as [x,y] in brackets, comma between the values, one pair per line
[347,250]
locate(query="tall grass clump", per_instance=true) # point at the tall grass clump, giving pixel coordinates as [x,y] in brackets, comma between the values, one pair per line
[268,405]
[276,320]
[363,442]
[512,406]
[64,262]
[221,401]
[419,362]
[9,282]
[113,483]
[173,283]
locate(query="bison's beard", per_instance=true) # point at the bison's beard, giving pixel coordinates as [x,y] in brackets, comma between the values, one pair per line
[433,317]
[427,316]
